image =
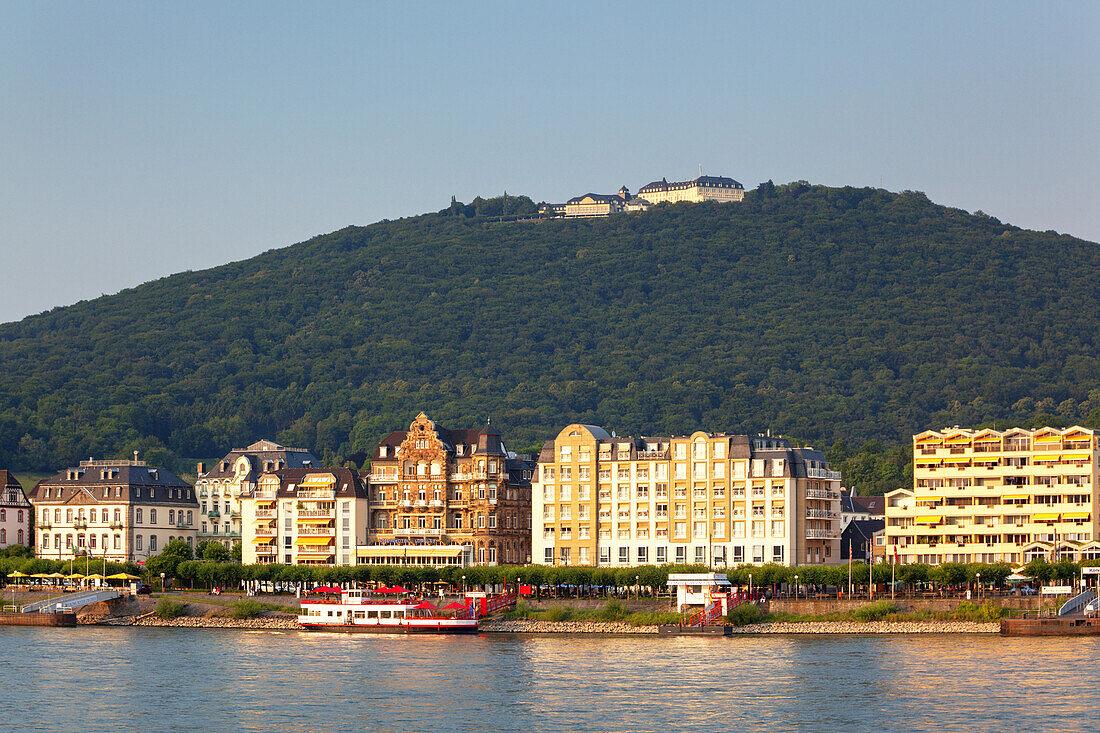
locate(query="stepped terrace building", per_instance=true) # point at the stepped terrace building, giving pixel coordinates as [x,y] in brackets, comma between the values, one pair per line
[443,497]
[123,511]
[714,499]
[15,512]
[219,489]
[997,496]
[701,188]
[304,516]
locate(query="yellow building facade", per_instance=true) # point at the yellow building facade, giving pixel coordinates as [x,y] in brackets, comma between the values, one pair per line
[702,188]
[300,516]
[714,499]
[997,496]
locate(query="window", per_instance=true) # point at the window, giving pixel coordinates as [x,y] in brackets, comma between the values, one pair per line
[584,492]
[548,555]
[700,555]
[171,516]
[566,492]
[45,541]
[719,529]
[699,470]
[582,555]
[719,470]
[680,451]
[777,553]
[680,471]
[605,555]
[643,555]
[152,543]
[68,516]
[118,542]
[758,553]
[777,528]
[757,529]
[738,529]
[152,519]
[719,451]
[624,555]
[137,542]
[681,530]
[662,555]
[681,555]
[582,512]
[493,521]
[565,556]
[700,529]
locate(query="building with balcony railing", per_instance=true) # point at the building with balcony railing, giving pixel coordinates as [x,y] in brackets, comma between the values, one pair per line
[997,496]
[218,487]
[304,516]
[458,489]
[714,499]
[15,512]
[123,511]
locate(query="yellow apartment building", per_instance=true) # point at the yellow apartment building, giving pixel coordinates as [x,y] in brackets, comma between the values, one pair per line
[304,516]
[997,496]
[715,499]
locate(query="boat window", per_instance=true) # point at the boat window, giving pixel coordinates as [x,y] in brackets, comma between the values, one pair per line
[372,614]
[359,614]
[385,614]
[399,614]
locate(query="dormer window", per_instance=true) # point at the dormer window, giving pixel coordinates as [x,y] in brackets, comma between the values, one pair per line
[383,451]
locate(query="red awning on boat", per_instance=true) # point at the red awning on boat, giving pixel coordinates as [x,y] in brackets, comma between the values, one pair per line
[455,606]
[394,589]
[425,606]
[326,589]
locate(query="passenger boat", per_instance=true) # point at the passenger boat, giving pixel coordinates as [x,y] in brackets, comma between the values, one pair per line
[362,611]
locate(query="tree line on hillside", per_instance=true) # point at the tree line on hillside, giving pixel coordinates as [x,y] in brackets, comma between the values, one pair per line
[846,318]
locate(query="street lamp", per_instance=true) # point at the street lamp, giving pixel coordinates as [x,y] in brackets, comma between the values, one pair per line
[637,589]
[796,585]
[162,582]
[750,586]
[463,585]
[979,577]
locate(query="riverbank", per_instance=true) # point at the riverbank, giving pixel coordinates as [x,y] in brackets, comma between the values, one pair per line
[525,626]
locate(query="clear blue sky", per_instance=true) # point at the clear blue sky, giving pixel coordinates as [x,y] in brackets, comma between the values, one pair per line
[142,139]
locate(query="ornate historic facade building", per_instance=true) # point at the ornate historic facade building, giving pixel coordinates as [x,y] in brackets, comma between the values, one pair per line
[448,497]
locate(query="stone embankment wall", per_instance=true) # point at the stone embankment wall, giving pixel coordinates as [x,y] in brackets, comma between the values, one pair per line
[818,606]
[872,627]
[585,604]
[525,626]
[218,622]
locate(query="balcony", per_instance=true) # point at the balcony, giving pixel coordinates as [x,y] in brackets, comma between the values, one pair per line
[822,534]
[821,514]
[265,514]
[419,532]
[421,503]
[389,478]
[406,503]
[266,550]
[316,513]
[823,473]
[821,494]
[315,494]
[259,531]
[317,531]
[80,524]
[436,503]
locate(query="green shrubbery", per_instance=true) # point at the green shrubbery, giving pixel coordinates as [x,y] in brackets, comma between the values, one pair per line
[246,608]
[169,609]
[745,614]
[877,611]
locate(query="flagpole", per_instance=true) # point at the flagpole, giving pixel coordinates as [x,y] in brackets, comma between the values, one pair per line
[849,568]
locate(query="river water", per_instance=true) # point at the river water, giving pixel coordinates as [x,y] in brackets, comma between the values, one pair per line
[162,679]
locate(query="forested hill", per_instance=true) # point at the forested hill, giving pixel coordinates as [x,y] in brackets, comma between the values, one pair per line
[825,314]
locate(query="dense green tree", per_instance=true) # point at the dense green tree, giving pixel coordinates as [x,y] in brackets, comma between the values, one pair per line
[844,317]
